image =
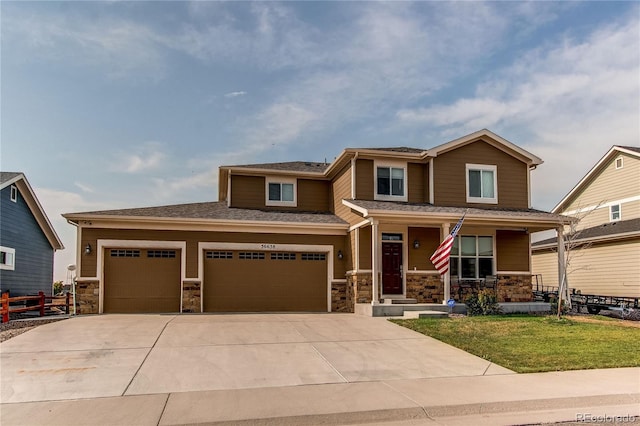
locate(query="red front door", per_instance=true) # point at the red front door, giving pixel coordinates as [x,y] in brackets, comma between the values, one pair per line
[391,268]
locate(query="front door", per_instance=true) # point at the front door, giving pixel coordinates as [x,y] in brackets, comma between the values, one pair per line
[391,268]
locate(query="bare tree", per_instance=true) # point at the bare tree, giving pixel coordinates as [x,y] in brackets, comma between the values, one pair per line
[574,247]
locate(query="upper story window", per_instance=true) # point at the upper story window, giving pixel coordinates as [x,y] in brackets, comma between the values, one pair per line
[7,258]
[14,193]
[482,186]
[619,163]
[391,183]
[614,213]
[281,192]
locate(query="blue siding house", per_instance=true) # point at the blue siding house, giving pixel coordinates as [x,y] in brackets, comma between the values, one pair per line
[27,239]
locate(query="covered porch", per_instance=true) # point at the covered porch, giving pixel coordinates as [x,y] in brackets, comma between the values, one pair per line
[392,245]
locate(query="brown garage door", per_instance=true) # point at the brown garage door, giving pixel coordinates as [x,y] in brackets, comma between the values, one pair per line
[141,281]
[258,281]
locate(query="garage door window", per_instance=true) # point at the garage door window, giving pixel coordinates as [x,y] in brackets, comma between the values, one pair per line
[283,256]
[250,255]
[313,256]
[165,254]
[125,253]
[219,255]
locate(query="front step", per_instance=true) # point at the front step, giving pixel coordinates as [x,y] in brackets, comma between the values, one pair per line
[424,314]
[399,301]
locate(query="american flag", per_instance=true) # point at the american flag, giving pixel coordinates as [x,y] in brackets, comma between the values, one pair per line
[440,258]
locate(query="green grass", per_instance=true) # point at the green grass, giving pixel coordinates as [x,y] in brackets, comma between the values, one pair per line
[528,344]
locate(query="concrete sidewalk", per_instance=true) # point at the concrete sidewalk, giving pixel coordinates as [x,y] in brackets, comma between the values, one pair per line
[478,400]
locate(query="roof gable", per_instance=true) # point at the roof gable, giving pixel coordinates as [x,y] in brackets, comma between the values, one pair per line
[597,168]
[492,139]
[20,181]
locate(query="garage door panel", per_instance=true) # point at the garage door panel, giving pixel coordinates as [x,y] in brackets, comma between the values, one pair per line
[264,282]
[142,281]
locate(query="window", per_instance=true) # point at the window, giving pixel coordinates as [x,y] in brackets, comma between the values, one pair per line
[164,254]
[472,257]
[390,183]
[619,163]
[391,237]
[614,213]
[251,255]
[313,256]
[482,184]
[283,256]
[125,253]
[281,192]
[14,193]
[7,258]
[219,255]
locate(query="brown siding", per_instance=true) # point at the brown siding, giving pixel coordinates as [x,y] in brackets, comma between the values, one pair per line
[417,183]
[450,181]
[247,192]
[313,195]
[364,180]
[365,247]
[512,250]
[192,239]
[429,240]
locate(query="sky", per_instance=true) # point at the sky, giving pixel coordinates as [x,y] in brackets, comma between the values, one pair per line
[108,105]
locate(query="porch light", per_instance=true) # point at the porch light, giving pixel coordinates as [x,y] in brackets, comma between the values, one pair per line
[87,249]
[340,255]
[416,244]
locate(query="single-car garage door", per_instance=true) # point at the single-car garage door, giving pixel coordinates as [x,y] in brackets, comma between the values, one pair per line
[259,281]
[141,281]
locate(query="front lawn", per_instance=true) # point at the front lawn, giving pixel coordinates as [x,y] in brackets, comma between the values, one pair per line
[528,344]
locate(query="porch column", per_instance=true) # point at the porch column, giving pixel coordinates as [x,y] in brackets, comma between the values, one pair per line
[446,277]
[375,264]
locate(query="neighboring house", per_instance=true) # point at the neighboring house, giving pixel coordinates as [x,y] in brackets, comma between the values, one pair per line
[606,260]
[302,236]
[27,239]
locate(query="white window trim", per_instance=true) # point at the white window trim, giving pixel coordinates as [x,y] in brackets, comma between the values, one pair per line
[621,163]
[611,219]
[9,266]
[281,180]
[384,197]
[14,193]
[482,200]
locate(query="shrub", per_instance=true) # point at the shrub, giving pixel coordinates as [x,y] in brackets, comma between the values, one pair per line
[553,303]
[483,303]
[57,287]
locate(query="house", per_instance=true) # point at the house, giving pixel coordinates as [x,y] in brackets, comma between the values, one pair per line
[606,258]
[27,239]
[304,236]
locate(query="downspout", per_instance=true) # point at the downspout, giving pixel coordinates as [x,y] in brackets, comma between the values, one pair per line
[353,176]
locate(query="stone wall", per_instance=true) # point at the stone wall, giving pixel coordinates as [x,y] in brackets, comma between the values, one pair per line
[514,288]
[425,288]
[341,296]
[361,284]
[191,293]
[87,297]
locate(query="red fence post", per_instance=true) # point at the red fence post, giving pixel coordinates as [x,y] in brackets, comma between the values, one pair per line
[66,308]
[5,307]
[41,294]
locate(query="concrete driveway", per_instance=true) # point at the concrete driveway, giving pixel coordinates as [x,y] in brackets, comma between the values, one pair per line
[124,355]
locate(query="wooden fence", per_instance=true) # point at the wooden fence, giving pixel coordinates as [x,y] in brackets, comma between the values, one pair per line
[24,305]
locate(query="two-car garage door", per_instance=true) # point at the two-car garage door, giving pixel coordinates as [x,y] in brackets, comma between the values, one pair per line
[262,281]
[149,281]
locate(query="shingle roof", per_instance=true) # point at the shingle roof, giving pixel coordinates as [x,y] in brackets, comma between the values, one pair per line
[215,211]
[396,149]
[630,148]
[7,176]
[605,230]
[293,166]
[390,206]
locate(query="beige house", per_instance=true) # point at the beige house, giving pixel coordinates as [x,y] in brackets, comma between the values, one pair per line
[303,236]
[606,260]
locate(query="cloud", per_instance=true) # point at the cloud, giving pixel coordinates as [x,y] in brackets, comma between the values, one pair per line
[235,94]
[83,187]
[146,157]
